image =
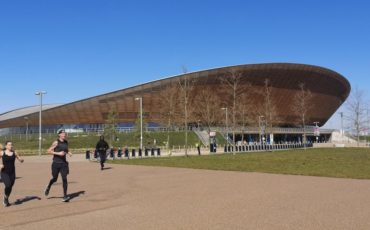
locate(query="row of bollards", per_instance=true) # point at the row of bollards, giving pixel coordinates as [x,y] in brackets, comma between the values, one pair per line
[127,153]
[265,147]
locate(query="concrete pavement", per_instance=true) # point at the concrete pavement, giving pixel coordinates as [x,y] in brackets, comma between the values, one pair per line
[135,197]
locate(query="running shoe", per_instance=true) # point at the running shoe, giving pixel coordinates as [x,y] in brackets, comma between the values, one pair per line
[66,199]
[6,202]
[47,190]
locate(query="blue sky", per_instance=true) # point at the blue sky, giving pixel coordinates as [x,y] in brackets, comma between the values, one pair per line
[80,48]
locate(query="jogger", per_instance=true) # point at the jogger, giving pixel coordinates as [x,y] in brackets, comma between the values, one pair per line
[59,149]
[8,170]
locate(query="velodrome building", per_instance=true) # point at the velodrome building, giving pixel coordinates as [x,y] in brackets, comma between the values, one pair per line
[329,90]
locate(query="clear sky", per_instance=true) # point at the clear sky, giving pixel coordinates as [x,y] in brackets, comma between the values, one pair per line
[75,49]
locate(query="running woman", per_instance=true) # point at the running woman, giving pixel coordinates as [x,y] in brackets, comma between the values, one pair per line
[59,150]
[8,170]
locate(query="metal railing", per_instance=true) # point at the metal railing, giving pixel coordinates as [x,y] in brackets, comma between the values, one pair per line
[266,147]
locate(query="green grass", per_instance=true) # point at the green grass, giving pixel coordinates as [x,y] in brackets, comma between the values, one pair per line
[342,163]
[84,141]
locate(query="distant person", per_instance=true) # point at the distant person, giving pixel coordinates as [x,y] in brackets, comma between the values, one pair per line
[8,170]
[59,150]
[102,147]
[198,147]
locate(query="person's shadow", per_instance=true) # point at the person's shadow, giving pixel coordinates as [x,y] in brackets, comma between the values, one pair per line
[71,196]
[76,194]
[107,168]
[26,199]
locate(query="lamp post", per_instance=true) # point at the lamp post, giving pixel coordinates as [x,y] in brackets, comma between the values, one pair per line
[141,120]
[227,127]
[26,119]
[341,123]
[40,93]
[316,131]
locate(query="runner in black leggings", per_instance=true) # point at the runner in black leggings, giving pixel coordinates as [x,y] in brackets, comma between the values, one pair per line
[8,170]
[59,149]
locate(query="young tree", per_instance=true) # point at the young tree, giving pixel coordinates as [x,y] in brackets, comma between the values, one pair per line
[186,86]
[357,110]
[110,128]
[246,111]
[302,104]
[168,107]
[269,108]
[234,89]
[207,107]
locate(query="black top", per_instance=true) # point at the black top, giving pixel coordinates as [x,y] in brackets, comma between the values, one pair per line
[62,146]
[8,162]
[102,146]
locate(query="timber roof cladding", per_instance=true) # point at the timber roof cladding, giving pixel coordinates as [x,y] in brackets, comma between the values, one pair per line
[329,88]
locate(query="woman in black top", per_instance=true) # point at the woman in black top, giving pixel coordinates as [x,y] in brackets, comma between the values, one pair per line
[59,150]
[8,170]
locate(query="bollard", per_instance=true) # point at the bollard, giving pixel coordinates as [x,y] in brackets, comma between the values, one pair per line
[146,152]
[87,154]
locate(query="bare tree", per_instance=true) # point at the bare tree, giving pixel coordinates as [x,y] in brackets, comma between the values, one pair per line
[168,107]
[301,106]
[357,110]
[207,104]
[186,86]
[246,109]
[269,108]
[110,128]
[234,90]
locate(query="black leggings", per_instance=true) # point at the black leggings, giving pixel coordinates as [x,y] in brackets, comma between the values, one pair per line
[103,157]
[63,169]
[8,180]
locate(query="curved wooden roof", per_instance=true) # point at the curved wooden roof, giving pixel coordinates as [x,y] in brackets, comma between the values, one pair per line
[329,88]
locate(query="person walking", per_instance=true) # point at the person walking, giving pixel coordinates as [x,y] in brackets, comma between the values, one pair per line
[7,167]
[59,150]
[102,147]
[198,148]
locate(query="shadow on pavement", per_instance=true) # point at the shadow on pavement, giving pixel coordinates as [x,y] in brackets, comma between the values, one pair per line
[26,199]
[71,195]
[107,168]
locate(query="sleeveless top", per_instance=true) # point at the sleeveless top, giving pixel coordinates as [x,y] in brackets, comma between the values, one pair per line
[8,162]
[62,146]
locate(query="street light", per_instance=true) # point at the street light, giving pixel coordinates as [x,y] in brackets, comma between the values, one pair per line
[26,119]
[40,93]
[341,123]
[260,126]
[316,131]
[141,120]
[227,127]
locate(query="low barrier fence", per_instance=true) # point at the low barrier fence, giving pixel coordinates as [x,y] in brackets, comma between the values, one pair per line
[266,147]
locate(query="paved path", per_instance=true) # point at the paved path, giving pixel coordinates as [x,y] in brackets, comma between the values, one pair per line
[134,197]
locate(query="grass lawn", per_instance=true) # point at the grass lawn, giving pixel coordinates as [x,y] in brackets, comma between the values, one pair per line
[338,162]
